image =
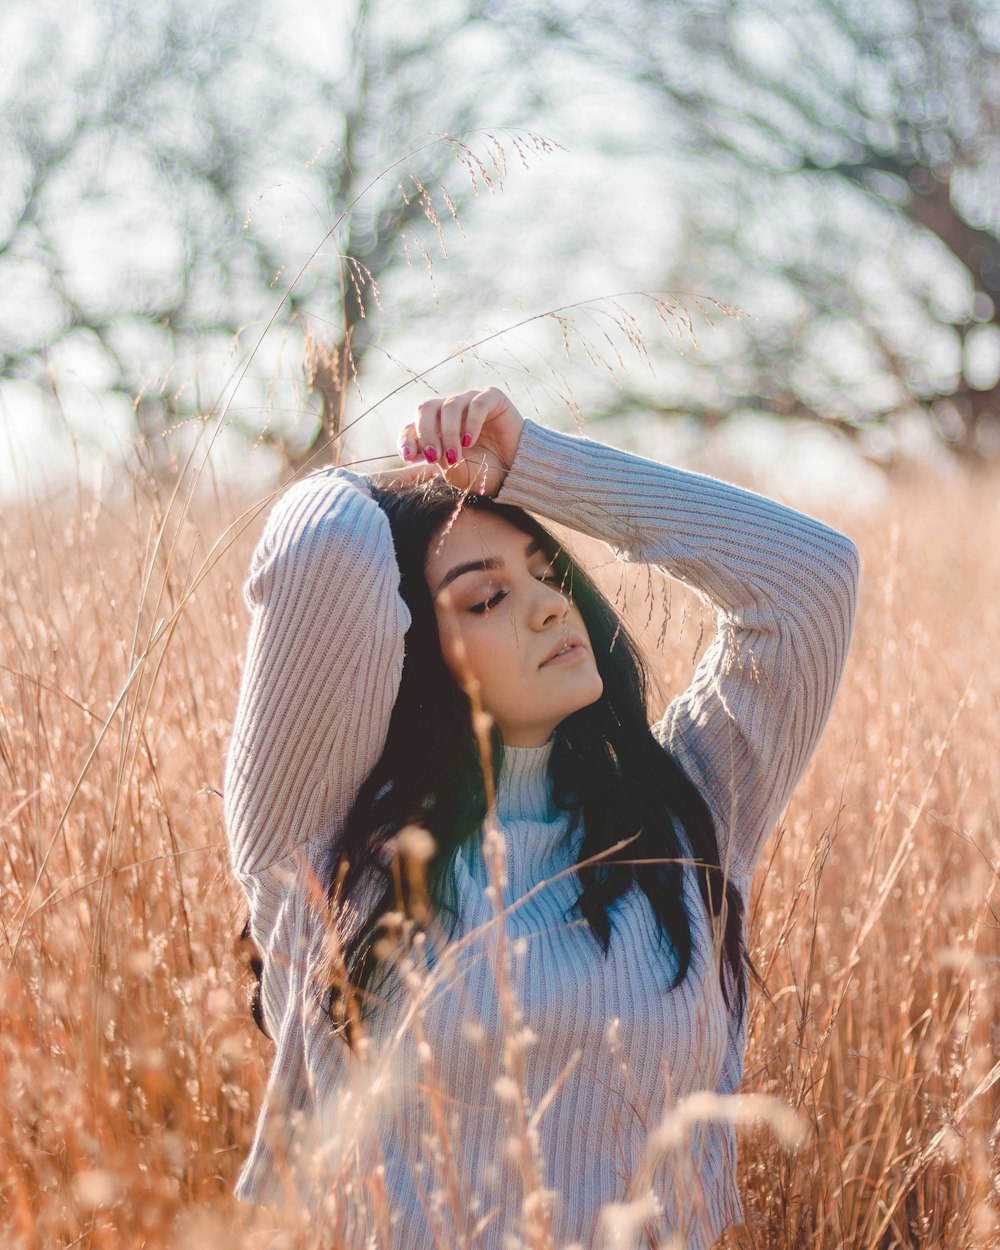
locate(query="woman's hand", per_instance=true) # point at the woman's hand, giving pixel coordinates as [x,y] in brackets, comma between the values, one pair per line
[470,438]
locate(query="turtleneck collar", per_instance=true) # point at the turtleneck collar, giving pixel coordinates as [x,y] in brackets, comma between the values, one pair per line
[535,831]
[523,785]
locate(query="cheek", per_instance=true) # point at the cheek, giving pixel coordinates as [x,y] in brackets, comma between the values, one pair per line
[485,652]
[467,652]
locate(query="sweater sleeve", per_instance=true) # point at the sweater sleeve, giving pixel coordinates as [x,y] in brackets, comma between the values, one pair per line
[784,587]
[321,674]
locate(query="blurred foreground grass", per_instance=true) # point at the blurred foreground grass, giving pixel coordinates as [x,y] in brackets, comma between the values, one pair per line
[129,1071]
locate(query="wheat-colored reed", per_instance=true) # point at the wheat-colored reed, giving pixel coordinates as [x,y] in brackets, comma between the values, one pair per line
[129,1071]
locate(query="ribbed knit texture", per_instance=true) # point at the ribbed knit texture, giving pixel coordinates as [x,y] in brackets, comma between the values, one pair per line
[608,1036]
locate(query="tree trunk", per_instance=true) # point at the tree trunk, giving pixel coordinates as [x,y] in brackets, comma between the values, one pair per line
[328,373]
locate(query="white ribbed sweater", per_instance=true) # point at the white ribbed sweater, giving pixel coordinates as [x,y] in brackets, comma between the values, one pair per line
[616,1045]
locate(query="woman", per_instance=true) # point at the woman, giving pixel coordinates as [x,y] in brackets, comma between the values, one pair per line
[384,612]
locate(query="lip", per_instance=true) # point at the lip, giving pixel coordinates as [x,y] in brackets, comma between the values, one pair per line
[559,654]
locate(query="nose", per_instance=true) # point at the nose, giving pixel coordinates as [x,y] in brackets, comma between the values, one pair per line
[550,606]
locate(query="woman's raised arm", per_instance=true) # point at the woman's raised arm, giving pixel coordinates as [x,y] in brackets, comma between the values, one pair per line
[784,586]
[322,669]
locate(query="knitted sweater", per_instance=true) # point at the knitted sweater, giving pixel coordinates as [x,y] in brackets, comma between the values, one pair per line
[609,1046]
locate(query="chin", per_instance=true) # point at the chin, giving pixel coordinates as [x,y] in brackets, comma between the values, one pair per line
[588,697]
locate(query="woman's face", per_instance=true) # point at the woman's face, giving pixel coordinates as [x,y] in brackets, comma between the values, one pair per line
[506,625]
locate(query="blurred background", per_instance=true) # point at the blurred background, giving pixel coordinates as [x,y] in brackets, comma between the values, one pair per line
[242,237]
[273,227]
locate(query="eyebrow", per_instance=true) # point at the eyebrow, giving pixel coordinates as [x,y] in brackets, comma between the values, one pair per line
[486,563]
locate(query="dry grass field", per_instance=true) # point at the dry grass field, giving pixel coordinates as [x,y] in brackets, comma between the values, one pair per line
[129,1071]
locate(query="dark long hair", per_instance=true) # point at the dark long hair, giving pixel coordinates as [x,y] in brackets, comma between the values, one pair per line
[606,770]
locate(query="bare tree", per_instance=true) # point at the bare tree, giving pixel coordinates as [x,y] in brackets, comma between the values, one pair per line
[894,105]
[120,202]
[394,180]
[171,167]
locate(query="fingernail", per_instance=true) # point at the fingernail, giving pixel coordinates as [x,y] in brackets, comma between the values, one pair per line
[430,454]
[466,440]
[451,455]
[406,451]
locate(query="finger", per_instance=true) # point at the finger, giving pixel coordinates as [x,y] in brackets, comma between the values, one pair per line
[428,431]
[481,407]
[452,411]
[408,443]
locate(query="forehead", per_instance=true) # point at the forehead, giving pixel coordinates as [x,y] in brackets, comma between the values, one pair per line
[475,536]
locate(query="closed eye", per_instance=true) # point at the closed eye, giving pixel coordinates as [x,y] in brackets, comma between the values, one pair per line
[487,605]
[554,578]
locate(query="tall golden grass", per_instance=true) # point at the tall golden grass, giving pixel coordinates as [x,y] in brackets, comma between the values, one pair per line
[130,1073]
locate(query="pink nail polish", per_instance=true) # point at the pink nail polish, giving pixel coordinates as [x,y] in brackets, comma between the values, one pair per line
[451,455]
[406,451]
[430,454]
[466,440]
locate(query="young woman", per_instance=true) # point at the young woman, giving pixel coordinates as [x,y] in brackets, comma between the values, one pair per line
[384,610]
